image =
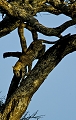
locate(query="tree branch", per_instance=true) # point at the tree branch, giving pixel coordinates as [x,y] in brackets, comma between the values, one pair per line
[50,31]
[7,25]
[23,14]
[13,86]
[64,8]
[19,101]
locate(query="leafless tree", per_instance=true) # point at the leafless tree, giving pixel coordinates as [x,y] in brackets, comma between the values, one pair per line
[20,14]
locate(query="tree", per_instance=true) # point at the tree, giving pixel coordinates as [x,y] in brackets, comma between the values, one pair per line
[20,14]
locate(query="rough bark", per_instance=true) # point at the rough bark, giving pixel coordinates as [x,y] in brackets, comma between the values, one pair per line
[20,14]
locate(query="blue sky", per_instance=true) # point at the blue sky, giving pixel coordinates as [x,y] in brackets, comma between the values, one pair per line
[56,98]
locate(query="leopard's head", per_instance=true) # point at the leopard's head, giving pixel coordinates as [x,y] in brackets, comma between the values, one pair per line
[17,69]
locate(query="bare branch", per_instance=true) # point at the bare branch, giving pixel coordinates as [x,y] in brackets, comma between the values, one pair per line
[50,31]
[7,25]
[34,116]
[13,86]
